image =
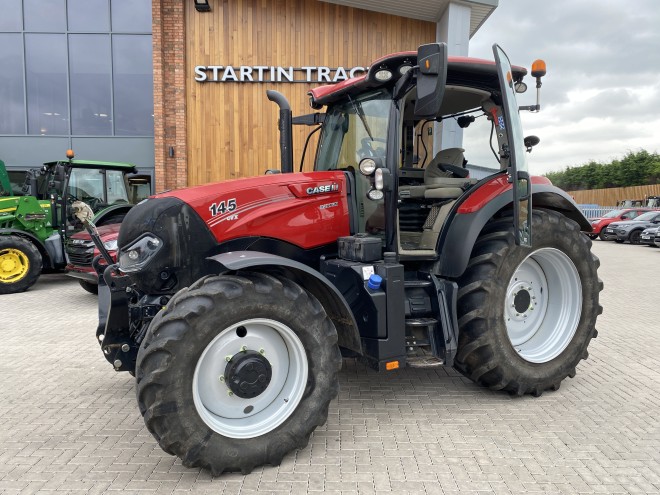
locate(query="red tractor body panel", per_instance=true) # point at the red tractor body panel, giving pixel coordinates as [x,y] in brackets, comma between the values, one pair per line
[304,209]
[487,192]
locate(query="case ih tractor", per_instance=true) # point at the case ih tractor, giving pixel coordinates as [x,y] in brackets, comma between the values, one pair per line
[233,303]
[34,227]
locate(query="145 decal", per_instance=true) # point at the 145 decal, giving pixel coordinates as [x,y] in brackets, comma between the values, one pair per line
[223,207]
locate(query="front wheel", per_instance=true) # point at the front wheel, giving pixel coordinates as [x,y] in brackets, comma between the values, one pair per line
[90,287]
[635,237]
[526,316]
[237,371]
[20,264]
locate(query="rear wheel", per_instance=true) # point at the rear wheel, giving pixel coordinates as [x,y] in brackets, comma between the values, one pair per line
[602,236]
[90,287]
[20,264]
[237,371]
[526,316]
[635,237]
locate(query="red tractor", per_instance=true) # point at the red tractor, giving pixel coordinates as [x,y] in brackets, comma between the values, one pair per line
[233,303]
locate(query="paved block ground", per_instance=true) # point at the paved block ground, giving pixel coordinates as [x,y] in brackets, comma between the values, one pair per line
[69,423]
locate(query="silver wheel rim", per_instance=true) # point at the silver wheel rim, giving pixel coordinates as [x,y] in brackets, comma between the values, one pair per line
[543,305]
[236,417]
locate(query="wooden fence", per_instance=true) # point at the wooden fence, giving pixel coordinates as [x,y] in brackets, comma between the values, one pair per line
[609,197]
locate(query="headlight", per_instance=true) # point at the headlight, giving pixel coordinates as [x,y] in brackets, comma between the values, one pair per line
[137,255]
[111,245]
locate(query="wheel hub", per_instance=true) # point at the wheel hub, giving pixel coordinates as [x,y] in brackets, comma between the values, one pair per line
[248,374]
[13,265]
[521,300]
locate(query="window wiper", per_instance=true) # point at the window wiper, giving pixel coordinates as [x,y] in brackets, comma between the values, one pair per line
[360,113]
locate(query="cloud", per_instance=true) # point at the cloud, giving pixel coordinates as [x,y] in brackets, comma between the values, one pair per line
[601,95]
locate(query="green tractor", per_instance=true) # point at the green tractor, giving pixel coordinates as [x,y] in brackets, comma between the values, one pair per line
[34,227]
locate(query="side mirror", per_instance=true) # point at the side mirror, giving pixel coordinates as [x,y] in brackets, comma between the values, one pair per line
[431,79]
[530,142]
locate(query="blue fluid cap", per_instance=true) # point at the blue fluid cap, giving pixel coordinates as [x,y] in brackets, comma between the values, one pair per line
[374,282]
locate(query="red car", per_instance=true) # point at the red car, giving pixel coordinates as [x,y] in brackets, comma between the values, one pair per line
[80,251]
[598,224]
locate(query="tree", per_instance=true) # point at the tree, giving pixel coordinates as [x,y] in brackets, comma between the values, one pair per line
[634,169]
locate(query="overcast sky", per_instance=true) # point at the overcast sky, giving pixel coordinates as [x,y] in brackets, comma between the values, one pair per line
[601,96]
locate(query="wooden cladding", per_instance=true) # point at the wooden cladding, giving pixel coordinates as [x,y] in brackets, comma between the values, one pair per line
[609,197]
[231,126]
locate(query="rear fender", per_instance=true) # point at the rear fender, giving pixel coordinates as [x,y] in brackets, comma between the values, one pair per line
[470,216]
[330,298]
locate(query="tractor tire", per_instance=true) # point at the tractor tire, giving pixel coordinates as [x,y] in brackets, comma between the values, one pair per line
[237,371]
[527,315]
[20,264]
[635,237]
[90,287]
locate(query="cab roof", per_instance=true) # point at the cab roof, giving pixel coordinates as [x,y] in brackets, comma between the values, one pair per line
[129,167]
[461,71]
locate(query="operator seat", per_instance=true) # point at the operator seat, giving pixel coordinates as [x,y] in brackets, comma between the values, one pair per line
[444,177]
[445,180]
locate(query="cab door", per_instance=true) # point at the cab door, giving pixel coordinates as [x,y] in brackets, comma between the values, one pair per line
[518,170]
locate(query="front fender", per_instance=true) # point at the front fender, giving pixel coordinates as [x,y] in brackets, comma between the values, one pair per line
[470,216]
[311,280]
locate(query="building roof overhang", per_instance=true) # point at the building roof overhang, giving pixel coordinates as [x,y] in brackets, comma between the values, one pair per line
[425,10]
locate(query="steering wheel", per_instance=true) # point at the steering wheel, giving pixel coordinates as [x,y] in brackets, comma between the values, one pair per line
[367,149]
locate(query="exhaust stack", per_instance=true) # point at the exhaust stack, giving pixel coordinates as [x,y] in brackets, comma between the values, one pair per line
[286,131]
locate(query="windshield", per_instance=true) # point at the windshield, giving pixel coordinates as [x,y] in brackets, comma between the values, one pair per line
[648,216]
[613,214]
[353,130]
[90,186]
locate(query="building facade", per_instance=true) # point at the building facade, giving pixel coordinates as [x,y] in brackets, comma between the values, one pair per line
[179,87]
[76,74]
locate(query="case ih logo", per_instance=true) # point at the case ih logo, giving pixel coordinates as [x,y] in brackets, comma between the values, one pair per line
[324,189]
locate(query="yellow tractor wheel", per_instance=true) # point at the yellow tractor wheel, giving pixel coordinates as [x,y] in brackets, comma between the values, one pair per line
[20,264]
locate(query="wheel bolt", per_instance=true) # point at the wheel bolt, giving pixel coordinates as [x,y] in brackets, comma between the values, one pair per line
[262,351]
[243,348]
[228,358]
[230,393]
[221,378]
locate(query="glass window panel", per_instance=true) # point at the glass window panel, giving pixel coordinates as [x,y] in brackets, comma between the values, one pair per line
[131,15]
[115,187]
[88,15]
[45,15]
[87,185]
[133,77]
[91,105]
[11,18]
[46,84]
[12,114]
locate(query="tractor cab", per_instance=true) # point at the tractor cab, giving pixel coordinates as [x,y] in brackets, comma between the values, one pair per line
[103,186]
[380,128]
[653,202]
